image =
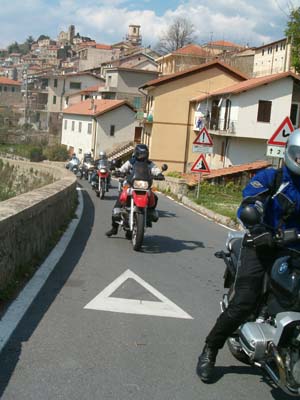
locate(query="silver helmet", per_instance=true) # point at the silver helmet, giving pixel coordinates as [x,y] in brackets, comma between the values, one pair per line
[292,152]
[102,155]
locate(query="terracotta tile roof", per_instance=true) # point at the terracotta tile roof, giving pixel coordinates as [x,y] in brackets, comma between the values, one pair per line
[192,49]
[249,84]
[101,46]
[254,166]
[7,81]
[95,108]
[198,68]
[87,44]
[223,43]
[92,88]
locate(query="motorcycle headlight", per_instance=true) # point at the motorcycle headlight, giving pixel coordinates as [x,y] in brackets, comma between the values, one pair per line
[103,170]
[141,185]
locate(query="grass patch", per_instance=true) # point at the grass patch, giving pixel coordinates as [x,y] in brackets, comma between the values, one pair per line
[14,182]
[223,200]
[174,174]
[22,150]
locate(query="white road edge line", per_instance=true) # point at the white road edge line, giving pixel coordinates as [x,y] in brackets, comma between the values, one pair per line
[20,305]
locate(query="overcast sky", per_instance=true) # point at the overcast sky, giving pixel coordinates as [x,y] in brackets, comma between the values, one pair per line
[251,22]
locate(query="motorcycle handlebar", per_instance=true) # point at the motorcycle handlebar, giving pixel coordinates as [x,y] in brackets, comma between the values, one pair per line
[268,239]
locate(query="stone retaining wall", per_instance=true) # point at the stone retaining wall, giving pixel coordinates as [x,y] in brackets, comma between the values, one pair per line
[29,222]
[172,185]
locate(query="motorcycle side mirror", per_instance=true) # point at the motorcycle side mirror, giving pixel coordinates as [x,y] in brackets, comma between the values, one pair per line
[164,167]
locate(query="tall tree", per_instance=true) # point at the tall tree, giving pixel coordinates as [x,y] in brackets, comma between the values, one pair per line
[42,37]
[292,31]
[14,48]
[179,34]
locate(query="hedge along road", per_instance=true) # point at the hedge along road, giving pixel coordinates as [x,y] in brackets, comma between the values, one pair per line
[76,342]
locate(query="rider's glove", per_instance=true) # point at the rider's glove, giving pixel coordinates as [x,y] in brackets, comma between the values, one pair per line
[160,177]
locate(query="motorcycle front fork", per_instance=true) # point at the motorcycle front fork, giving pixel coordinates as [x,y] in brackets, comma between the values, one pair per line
[131,216]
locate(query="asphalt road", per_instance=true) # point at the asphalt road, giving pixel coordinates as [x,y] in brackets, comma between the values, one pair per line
[62,350]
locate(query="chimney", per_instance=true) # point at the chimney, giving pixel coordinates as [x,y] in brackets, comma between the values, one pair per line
[92,104]
[94,108]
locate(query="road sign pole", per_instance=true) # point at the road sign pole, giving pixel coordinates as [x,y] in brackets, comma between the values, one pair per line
[198,189]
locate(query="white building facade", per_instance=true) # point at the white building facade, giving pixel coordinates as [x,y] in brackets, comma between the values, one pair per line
[243,118]
[105,132]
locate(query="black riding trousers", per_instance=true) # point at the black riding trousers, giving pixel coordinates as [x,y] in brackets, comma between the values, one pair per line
[248,285]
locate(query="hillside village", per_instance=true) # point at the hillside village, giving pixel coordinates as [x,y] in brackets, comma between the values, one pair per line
[91,96]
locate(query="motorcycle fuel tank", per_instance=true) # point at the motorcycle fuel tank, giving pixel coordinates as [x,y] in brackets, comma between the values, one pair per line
[285,282]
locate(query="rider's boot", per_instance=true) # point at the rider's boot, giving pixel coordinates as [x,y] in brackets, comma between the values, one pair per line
[113,230]
[206,363]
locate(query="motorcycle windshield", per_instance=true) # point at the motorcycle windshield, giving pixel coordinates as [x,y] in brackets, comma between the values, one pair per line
[141,171]
[103,164]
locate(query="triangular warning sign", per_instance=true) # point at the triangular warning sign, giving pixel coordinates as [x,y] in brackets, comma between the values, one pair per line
[203,138]
[162,308]
[200,165]
[280,136]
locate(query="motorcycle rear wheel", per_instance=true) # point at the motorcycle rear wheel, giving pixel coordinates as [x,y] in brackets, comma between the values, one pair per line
[138,231]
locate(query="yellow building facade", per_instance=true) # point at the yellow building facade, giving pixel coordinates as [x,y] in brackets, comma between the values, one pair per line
[169,118]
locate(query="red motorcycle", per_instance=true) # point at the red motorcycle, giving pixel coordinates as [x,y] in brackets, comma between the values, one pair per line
[103,175]
[138,203]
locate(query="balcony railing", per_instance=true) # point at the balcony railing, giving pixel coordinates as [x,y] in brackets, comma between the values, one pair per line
[37,106]
[217,127]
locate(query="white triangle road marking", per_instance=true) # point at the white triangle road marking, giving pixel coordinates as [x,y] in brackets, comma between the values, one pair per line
[164,308]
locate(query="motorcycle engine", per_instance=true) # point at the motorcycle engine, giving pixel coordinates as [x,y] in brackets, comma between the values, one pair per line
[254,339]
[296,371]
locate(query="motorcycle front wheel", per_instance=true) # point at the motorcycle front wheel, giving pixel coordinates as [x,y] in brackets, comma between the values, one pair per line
[102,189]
[138,231]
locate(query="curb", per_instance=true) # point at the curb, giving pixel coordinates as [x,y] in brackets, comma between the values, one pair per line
[221,219]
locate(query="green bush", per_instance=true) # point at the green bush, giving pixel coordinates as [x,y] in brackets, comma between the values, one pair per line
[36,154]
[57,152]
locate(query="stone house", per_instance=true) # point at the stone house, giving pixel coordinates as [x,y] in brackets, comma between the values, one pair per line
[181,59]
[272,58]
[123,84]
[10,92]
[60,87]
[92,55]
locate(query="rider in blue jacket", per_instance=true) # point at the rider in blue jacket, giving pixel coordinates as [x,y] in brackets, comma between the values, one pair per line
[271,200]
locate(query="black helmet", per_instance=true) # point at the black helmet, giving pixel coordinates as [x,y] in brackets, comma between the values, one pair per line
[141,152]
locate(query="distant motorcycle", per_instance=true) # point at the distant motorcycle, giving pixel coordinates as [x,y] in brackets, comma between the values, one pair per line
[73,165]
[270,338]
[103,180]
[138,202]
[86,170]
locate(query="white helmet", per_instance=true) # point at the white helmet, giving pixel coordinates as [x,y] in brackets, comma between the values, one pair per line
[292,152]
[102,155]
